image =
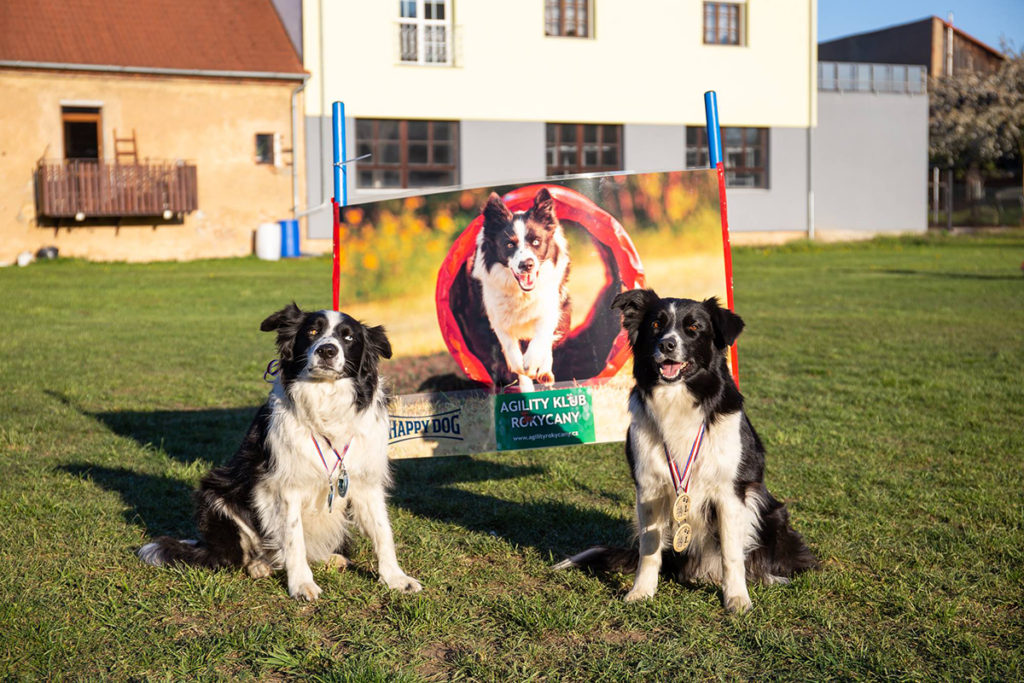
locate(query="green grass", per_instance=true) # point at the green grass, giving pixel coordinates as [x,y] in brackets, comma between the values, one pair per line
[886,379]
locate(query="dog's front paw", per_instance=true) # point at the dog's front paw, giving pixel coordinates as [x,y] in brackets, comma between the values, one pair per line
[546,378]
[308,591]
[402,583]
[738,604]
[538,361]
[638,594]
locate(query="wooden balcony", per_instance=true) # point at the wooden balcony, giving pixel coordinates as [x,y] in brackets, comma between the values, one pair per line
[86,188]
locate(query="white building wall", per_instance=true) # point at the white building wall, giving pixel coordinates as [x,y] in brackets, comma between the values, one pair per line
[645,66]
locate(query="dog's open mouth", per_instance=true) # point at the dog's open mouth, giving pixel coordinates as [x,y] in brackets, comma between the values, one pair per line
[526,280]
[671,371]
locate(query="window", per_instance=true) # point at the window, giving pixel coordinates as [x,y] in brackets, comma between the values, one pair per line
[724,23]
[424,31]
[567,18]
[583,148]
[744,151]
[265,152]
[407,153]
[82,136]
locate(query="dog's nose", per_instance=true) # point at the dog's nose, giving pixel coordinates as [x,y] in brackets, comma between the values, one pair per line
[527,266]
[327,351]
[667,345]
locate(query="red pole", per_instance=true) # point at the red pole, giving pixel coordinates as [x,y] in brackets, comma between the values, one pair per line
[336,271]
[727,249]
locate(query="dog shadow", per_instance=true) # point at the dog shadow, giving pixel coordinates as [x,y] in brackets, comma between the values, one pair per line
[430,488]
[433,488]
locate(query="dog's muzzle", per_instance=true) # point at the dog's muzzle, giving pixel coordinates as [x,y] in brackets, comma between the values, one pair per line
[670,366]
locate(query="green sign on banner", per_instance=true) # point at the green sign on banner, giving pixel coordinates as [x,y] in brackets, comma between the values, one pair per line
[544,418]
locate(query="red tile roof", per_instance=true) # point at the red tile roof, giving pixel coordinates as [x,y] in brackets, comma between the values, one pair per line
[217,35]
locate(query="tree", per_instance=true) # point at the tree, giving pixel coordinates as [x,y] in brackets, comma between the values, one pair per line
[977,119]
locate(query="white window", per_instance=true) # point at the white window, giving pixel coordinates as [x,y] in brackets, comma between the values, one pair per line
[425,31]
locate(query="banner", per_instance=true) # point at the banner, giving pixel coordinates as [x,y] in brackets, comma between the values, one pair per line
[536,357]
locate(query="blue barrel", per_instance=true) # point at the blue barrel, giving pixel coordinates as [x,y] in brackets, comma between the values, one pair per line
[289,238]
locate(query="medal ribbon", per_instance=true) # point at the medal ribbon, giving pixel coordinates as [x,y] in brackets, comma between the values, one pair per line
[682,481]
[339,456]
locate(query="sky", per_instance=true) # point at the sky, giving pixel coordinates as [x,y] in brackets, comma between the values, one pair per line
[986,20]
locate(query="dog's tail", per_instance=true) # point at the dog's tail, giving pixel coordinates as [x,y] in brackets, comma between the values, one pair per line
[603,558]
[164,550]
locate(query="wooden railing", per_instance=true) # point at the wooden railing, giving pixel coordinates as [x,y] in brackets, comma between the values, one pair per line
[101,189]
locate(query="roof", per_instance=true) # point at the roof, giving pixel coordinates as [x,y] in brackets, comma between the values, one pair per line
[914,24]
[209,35]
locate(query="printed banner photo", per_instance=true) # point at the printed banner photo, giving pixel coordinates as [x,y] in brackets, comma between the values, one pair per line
[525,277]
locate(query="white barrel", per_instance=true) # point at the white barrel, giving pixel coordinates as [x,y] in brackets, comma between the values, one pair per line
[268,241]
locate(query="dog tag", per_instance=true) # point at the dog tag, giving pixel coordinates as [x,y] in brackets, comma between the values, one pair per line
[681,507]
[681,538]
[343,484]
[330,497]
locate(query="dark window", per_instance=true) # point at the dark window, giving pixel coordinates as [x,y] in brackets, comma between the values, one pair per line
[407,153]
[567,18]
[264,148]
[82,137]
[583,148]
[723,23]
[744,151]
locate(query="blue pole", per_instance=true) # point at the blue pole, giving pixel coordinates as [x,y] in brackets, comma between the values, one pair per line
[714,133]
[340,172]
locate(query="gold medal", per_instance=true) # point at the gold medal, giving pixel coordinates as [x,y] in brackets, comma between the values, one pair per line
[681,538]
[681,507]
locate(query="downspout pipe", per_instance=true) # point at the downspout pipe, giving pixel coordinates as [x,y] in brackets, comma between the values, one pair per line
[295,146]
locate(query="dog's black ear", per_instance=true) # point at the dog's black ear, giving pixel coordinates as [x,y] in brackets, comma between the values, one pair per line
[726,324]
[377,342]
[634,304]
[286,322]
[495,210]
[544,205]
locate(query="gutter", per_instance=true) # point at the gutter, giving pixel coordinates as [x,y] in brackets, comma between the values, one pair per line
[155,70]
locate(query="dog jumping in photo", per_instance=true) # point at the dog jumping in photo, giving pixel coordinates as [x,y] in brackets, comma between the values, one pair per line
[313,461]
[522,265]
[695,458]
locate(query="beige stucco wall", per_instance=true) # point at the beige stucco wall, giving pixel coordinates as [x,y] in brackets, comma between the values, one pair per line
[209,122]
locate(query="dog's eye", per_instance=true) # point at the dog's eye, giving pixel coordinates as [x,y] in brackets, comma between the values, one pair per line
[535,243]
[693,327]
[510,245]
[656,326]
[348,337]
[313,332]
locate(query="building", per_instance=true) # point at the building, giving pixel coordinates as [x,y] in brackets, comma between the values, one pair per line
[148,130]
[932,43]
[470,92]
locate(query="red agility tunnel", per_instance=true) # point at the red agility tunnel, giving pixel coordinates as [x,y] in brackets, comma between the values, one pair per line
[595,348]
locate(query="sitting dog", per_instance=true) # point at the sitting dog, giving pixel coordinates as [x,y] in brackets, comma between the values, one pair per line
[695,458]
[288,495]
[522,265]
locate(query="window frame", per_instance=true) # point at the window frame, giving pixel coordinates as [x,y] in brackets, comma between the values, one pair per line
[716,29]
[697,154]
[404,167]
[273,156]
[556,26]
[554,163]
[418,26]
[74,114]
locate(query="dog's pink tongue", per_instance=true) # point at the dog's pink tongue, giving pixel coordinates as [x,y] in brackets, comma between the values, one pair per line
[670,369]
[526,280]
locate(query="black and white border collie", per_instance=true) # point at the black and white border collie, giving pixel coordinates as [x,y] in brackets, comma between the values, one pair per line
[268,507]
[740,532]
[522,264]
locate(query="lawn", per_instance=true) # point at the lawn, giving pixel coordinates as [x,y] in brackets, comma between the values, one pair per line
[885,378]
